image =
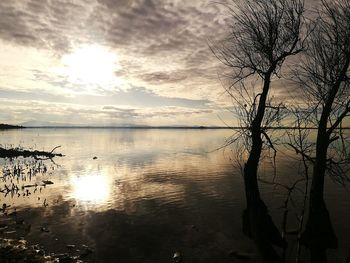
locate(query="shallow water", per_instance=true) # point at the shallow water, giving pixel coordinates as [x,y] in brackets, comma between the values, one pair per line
[150,193]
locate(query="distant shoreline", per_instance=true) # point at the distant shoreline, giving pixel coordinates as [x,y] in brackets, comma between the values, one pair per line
[127,127]
[159,127]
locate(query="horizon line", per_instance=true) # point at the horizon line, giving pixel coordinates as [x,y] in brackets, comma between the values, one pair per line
[9,126]
[165,127]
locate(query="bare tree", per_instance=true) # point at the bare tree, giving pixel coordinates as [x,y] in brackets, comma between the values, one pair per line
[325,80]
[264,33]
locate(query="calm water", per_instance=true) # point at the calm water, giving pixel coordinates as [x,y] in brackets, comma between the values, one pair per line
[149,194]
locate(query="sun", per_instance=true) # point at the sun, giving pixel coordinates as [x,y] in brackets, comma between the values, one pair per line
[91,65]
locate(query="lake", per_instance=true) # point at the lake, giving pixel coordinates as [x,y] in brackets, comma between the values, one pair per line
[141,195]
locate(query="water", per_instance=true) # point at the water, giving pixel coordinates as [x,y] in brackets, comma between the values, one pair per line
[149,193]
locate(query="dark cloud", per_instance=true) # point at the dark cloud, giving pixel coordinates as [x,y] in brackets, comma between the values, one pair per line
[168,77]
[14,24]
[146,27]
[52,25]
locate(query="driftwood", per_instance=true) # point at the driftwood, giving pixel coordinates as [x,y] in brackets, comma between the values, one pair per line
[8,127]
[38,155]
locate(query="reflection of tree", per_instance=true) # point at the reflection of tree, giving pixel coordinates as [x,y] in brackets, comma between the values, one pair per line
[258,225]
[319,234]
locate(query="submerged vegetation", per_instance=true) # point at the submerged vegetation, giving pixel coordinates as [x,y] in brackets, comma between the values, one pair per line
[20,169]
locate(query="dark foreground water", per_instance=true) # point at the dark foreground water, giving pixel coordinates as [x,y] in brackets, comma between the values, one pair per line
[148,194]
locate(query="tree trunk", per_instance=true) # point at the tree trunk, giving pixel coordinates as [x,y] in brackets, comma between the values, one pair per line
[258,224]
[319,234]
[251,166]
[251,170]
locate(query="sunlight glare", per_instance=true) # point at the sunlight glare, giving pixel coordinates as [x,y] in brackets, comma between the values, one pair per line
[91,65]
[91,188]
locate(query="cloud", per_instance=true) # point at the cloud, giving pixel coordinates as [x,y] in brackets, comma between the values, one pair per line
[19,111]
[135,96]
[161,77]
[151,37]
[161,46]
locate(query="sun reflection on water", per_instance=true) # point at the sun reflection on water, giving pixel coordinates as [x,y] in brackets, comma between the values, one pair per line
[91,188]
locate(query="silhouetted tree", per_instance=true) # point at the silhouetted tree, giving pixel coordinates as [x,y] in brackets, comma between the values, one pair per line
[324,77]
[325,80]
[263,34]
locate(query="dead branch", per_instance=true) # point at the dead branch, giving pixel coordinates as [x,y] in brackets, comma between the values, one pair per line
[38,155]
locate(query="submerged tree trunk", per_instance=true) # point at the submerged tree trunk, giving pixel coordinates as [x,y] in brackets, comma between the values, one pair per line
[251,170]
[257,223]
[319,171]
[319,234]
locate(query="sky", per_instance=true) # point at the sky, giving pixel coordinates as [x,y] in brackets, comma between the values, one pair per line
[112,62]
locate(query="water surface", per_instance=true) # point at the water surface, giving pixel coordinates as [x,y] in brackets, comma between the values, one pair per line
[149,193]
